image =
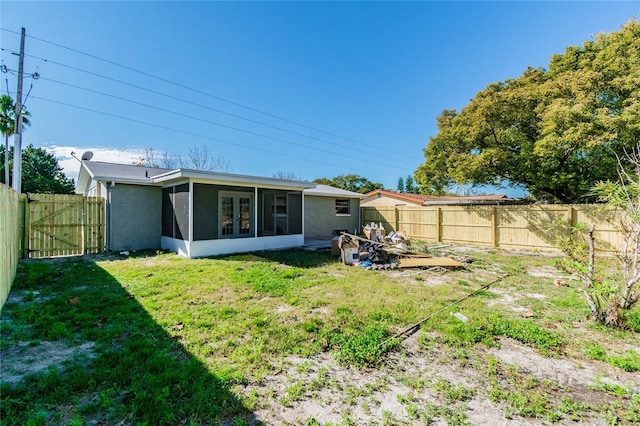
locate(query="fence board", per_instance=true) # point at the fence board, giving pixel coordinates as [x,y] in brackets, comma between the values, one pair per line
[94,225]
[10,237]
[526,227]
[64,225]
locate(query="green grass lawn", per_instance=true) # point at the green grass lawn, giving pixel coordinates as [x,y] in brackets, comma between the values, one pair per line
[172,340]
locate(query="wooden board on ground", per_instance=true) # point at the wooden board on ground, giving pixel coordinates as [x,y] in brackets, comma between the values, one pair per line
[428,262]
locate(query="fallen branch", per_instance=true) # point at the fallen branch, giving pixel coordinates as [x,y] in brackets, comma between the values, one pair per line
[415,327]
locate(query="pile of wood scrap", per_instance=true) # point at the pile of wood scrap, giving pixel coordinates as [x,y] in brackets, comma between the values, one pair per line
[389,253]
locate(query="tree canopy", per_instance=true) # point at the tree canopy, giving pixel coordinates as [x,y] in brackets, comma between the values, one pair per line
[410,187]
[555,132]
[41,172]
[354,183]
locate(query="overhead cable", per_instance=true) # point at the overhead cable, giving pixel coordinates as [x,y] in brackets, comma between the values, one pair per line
[205,121]
[182,86]
[198,104]
[159,126]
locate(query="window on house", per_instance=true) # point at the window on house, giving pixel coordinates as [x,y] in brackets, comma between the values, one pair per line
[342,207]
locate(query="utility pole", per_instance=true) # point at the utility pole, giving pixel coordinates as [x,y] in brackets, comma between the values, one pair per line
[17,136]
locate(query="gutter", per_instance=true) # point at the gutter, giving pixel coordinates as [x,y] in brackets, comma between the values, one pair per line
[108,233]
[226,178]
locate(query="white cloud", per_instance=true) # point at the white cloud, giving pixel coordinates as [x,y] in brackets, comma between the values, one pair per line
[71,166]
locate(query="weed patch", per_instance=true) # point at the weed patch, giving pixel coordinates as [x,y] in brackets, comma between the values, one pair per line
[363,349]
[629,361]
[526,332]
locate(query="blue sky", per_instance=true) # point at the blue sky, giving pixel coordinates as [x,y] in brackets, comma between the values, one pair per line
[366,79]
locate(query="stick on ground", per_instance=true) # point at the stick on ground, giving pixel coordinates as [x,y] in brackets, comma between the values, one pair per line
[415,327]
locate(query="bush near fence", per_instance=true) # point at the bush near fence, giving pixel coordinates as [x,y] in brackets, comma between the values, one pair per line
[518,227]
[10,237]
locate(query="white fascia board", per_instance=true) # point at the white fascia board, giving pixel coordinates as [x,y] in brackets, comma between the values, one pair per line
[228,178]
[177,182]
[83,179]
[355,197]
[147,182]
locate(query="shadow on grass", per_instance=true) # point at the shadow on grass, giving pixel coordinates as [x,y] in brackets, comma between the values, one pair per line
[134,371]
[297,258]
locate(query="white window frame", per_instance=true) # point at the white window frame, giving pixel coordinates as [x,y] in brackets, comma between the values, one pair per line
[348,207]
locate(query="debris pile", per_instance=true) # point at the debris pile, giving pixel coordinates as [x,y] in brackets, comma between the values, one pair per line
[386,252]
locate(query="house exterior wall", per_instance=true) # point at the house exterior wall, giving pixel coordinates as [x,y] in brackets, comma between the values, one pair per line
[135,220]
[320,216]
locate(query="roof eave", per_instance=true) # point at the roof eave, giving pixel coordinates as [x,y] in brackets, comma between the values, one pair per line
[146,181]
[355,197]
[231,178]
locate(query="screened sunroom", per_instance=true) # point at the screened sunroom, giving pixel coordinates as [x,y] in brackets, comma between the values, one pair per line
[206,214]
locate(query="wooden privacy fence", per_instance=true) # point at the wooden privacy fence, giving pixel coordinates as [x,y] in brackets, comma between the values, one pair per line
[10,218]
[62,225]
[525,227]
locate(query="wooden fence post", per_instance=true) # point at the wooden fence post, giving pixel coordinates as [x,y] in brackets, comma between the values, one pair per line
[494,226]
[26,229]
[84,225]
[396,218]
[572,217]
[438,224]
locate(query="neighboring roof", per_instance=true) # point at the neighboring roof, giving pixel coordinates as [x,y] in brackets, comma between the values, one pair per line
[419,199]
[132,174]
[330,191]
[469,199]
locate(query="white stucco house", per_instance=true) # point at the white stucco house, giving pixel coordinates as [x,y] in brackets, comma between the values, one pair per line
[197,213]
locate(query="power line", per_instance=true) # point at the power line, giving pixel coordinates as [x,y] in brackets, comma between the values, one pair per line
[195,104]
[182,86]
[184,132]
[204,120]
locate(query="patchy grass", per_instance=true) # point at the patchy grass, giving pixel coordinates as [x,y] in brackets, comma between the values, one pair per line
[167,340]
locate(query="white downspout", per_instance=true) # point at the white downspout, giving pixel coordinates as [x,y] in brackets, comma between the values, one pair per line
[108,238]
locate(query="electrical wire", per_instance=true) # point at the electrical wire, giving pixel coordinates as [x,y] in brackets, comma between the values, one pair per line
[179,114]
[182,86]
[184,132]
[395,159]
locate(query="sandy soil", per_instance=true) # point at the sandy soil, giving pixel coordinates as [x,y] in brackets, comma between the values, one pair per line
[386,394]
[401,391]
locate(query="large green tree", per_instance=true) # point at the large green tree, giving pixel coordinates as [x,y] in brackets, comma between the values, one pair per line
[354,183]
[555,131]
[41,172]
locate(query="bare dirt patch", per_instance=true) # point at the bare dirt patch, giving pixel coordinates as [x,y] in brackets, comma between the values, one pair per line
[24,359]
[548,271]
[319,389]
[565,372]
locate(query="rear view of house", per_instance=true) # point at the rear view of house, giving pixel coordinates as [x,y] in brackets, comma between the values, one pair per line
[197,213]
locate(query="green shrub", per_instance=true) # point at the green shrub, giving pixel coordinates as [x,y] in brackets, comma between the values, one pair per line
[362,349]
